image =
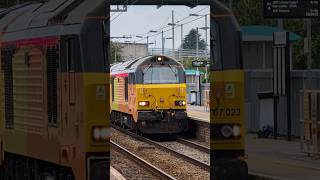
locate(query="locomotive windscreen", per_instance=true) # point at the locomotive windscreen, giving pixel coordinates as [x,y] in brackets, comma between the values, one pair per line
[161,75]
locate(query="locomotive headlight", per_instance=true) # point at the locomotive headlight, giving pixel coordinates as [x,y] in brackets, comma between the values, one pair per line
[105,133]
[159,59]
[227,131]
[180,103]
[236,130]
[101,133]
[143,103]
[96,133]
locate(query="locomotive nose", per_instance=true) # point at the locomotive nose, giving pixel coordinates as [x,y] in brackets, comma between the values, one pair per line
[163,96]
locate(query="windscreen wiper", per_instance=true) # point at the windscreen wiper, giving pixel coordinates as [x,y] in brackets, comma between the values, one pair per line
[175,73]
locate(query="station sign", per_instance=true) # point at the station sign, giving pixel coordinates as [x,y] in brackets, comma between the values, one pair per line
[291,9]
[199,63]
[281,72]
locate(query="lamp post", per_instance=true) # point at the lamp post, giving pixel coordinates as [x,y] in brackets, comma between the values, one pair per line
[172,24]
[151,31]
[172,49]
[151,49]
[162,43]
[206,28]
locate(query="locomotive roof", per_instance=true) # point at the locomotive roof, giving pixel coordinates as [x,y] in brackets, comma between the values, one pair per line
[132,65]
[48,18]
[128,66]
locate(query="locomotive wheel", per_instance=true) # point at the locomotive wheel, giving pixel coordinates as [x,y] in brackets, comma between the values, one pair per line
[122,124]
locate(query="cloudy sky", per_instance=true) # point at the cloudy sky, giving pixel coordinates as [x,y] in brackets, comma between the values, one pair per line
[139,20]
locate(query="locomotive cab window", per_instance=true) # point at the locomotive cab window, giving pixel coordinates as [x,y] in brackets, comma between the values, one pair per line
[160,75]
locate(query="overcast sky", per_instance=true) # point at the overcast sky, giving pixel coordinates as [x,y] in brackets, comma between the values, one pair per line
[139,20]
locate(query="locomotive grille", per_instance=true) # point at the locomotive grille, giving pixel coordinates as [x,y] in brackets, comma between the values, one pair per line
[8,83]
[52,57]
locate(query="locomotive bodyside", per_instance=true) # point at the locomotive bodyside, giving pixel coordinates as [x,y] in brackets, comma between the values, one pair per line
[149,95]
[54,112]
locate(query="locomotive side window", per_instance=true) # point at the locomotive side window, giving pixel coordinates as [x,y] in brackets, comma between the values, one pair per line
[71,50]
[95,45]
[112,88]
[126,91]
[131,78]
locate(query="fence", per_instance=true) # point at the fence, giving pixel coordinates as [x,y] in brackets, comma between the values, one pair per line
[261,80]
[180,53]
[310,122]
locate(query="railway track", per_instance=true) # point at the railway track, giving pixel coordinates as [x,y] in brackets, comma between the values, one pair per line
[193,145]
[162,147]
[156,171]
[160,173]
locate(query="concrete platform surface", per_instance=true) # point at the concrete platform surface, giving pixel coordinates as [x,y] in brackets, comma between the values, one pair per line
[115,175]
[198,113]
[280,159]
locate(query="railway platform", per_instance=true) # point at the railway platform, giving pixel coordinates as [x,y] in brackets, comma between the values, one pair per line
[198,113]
[115,175]
[280,159]
[275,159]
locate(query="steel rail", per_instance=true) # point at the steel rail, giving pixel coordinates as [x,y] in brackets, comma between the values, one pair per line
[156,171]
[194,145]
[164,148]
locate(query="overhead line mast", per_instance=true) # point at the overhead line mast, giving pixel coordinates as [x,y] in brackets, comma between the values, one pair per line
[173,30]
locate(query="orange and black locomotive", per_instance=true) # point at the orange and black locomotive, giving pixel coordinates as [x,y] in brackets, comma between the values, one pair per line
[148,94]
[54,91]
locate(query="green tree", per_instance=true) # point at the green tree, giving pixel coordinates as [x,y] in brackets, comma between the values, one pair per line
[190,41]
[250,12]
[187,64]
[316,51]
[116,50]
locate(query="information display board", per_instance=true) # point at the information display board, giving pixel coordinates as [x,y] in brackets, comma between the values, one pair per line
[291,9]
[199,63]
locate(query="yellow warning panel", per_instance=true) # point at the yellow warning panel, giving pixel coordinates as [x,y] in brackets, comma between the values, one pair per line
[227,110]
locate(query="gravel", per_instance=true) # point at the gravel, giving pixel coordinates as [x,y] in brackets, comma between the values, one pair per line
[128,168]
[186,150]
[174,166]
[195,140]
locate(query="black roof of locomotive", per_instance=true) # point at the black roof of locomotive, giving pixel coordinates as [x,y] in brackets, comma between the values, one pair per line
[49,18]
[133,65]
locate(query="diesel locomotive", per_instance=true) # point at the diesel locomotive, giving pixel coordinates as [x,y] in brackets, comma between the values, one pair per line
[227,99]
[148,95]
[54,92]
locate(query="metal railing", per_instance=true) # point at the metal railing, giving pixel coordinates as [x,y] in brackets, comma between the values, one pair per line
[310,122]
[180,53]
